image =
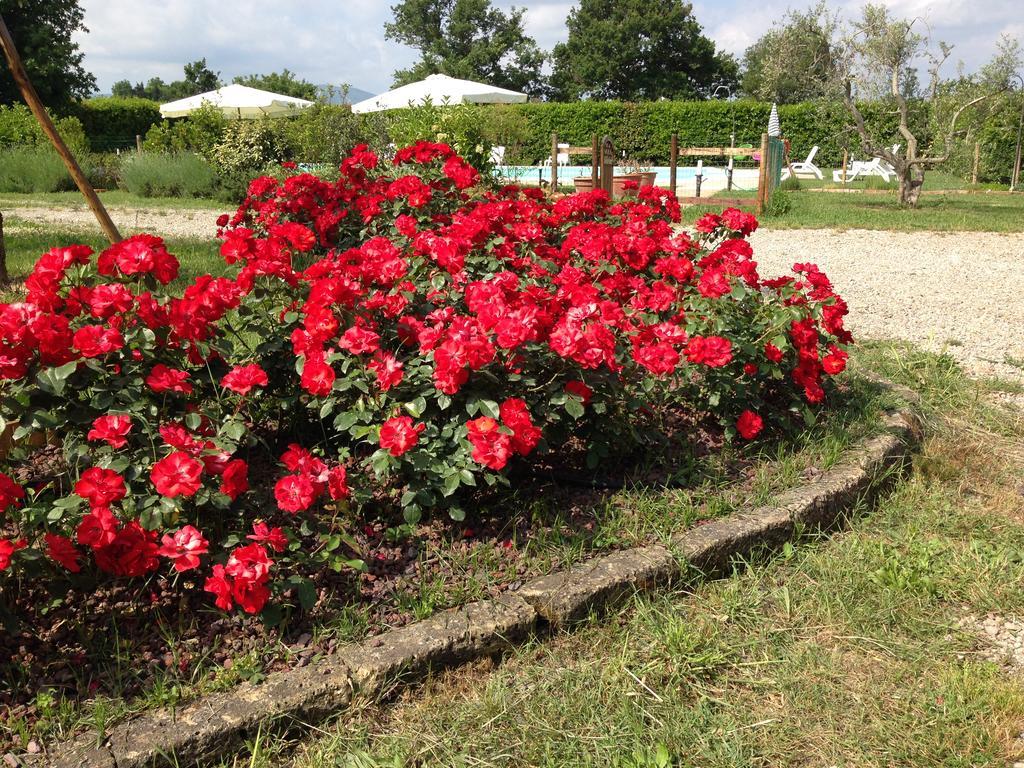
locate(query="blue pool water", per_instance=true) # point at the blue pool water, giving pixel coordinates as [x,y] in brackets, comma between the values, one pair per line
[566,173]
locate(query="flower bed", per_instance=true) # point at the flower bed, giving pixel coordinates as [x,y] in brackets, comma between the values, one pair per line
[399,338]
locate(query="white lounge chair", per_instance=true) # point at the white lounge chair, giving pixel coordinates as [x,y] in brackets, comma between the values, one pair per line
[876,166]
[562,157]
[497,155]
[806,168]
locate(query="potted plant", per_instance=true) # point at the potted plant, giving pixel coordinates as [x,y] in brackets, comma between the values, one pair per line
[632,171]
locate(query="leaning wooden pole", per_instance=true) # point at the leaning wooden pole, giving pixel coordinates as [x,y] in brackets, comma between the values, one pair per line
[28,91]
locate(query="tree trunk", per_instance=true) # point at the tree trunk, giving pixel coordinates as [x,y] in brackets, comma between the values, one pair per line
[910,181]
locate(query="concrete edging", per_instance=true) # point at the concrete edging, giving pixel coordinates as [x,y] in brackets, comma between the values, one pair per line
[213,725]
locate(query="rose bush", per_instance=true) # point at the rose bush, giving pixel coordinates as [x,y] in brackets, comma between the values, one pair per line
[393,339]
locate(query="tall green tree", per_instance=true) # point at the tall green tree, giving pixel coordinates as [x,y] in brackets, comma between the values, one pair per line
[468,39]
[199,78]
[794,61]
[42,31]
[284,82]
[638,50]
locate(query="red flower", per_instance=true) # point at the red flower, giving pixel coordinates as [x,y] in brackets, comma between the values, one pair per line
[164,379]
[264,534]
[398,434]
[177,475]
[294,493]
[579,389]
[660,358]
[235,478]
[712,351]
[388,370]
[220,585]
[773,353]
[491,447]
[8,548]
[132,553]
[750,369]
[317,376]
[242,378]
[359,341]
[516,416]
[337,483]
[460,172]
[61,550]
[10,492]
[835,361]
[97,528]
[100,487]
[112,429]
[749,425]
[184,548]
[97,340]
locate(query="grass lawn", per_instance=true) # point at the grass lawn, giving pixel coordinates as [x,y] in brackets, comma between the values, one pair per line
[114,197]
[953,212]
[857,650]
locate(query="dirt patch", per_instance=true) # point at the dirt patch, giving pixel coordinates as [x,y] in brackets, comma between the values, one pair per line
[1002,639]
[168,223]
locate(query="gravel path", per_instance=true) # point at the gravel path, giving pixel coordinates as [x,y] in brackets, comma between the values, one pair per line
[962,292]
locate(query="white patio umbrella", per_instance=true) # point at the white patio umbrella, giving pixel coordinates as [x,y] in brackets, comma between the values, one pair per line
[439,89]
[239,102]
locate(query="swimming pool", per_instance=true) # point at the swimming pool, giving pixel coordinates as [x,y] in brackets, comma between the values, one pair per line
[566,173]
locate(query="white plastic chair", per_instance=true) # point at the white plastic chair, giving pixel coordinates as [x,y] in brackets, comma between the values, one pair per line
[562,158]
[497,155]
[806,168]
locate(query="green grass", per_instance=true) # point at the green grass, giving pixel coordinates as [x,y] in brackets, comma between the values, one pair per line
[844,651]
[113,197]
[953,212]
[26,241]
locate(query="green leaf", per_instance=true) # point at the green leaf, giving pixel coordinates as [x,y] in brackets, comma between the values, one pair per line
[574,408]
[306,593]
[416,408]
[345,420]
[467,477]
[458,514]
[489,408]
[193,420]
[451,483]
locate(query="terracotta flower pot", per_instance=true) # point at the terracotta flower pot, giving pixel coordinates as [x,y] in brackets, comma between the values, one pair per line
[643,179]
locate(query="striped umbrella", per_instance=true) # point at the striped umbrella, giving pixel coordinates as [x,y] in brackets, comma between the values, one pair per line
[774,129]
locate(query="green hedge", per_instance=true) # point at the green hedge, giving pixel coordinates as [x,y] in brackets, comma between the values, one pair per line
[643,130]
[113,123]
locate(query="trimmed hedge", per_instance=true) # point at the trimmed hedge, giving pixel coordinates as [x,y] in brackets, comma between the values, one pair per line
[113,123]
[643,130]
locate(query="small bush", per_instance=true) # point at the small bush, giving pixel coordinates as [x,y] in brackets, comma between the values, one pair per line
[180,174]
[792,184]
[199,133]
[28,170]
[19,128]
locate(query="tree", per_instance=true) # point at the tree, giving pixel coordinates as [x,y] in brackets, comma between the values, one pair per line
[42,31]
[636,50]
[879,56]
[468,39]
[198,79]
[284,82]
[795,60]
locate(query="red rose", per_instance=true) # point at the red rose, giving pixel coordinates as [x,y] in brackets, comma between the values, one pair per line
[581,390]
[491,447]
[97,528]
[773,353]
[317,376]
[8,548]
[220,585]
[100,487]
[835,361]
[712,351]
[164,379]
[97,340]
[516,416]
[359,341]
[184,548]
[62,551]
[398,434]
[112,429]
[460,172]
[132,553]
[294,493]
[242,378]
[337,483]
[388,370]
[749,425]
[264,534]
[235,478]
[10,492]
[177,475]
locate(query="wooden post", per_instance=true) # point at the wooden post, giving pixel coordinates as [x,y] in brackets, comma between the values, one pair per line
[554,163]
[138,143]
[977,162]
[607,164]
[4,277]
[28,92]
[673,161]
[595,162]
[846,159]
[762,176]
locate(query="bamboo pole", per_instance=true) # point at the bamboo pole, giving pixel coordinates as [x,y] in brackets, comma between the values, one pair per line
[977,162]
[595,162]
[28,91]
[846,162]
[4,277]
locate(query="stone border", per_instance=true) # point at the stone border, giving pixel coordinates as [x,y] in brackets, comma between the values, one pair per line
[213,725]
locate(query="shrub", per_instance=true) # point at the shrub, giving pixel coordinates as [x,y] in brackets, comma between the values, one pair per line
[113,122]
[19,128]
[199,133]
[29,170]
[180,174]
[398,339]
[248,146]
[325,133]
[462,126]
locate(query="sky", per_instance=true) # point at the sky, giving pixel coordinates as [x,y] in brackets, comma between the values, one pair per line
[342,41]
